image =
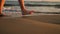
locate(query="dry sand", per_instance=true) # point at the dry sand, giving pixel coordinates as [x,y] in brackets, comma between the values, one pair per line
[30,25]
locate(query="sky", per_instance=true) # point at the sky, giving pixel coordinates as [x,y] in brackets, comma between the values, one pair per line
[39,0]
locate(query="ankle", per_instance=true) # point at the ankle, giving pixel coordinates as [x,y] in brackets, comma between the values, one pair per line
[23,9]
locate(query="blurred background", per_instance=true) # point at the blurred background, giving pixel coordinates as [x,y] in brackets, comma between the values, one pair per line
[39,6]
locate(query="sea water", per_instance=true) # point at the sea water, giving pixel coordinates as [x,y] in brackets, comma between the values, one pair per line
[16,10]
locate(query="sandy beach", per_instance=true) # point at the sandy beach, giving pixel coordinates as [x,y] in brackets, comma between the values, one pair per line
[43,24]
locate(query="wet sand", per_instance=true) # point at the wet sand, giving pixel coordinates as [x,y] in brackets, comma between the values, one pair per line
[43,24]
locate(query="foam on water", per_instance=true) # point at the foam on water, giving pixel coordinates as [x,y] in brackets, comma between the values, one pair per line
[15,11]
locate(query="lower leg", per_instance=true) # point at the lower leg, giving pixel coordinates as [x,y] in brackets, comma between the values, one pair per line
[21,3]
[1,5]
[24,11]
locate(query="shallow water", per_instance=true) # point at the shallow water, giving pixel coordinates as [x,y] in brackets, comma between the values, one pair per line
[16,11]
[37,8]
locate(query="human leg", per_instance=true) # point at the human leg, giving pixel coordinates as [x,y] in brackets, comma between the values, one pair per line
[23,8]
[1,6]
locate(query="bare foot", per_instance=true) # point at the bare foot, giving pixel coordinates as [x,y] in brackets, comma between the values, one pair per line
[26,12]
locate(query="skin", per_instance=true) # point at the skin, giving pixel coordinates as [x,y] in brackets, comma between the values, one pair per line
[22,6]
[1,5]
